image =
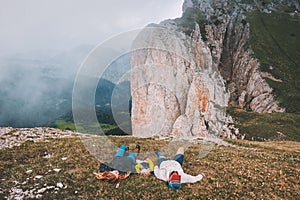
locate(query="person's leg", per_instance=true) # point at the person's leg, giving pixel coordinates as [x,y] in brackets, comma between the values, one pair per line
[161,157]
[132,156]
[121,151]
[179,155]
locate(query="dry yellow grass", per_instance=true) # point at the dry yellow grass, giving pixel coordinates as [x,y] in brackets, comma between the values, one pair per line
[247,170]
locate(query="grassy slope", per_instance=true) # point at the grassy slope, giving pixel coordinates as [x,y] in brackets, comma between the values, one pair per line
[267,126]
[68,125]
[262,171]
[275,39]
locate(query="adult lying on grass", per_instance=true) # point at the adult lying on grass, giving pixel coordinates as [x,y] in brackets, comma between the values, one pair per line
[123,164]
[171,170]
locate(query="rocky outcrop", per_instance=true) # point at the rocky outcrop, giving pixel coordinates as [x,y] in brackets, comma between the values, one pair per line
[227,35]
[176,88]
[10,137]
[183,78]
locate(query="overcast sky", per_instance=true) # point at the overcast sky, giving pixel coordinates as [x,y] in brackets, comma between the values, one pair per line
[54,25]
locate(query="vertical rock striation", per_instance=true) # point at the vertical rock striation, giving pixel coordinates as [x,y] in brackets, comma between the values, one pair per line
[176,88]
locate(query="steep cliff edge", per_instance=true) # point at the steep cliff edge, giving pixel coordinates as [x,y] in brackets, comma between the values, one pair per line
[176,88]
[215,38]
[227,34]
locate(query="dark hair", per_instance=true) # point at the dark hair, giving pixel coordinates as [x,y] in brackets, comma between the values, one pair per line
[173,172]
[138,147]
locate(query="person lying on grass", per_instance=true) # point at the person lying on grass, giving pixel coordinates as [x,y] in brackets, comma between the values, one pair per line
[171,170]
[144,167]
[122,165]
[125,163]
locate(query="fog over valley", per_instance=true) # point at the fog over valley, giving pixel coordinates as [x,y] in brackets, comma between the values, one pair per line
[42,46]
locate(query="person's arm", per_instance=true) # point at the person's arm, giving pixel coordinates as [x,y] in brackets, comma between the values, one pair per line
[160,173]
[186,178]
[151,165]
[138,168]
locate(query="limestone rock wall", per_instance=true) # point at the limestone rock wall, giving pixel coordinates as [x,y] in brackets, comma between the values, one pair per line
[227,36]
[181,84]
[176,88]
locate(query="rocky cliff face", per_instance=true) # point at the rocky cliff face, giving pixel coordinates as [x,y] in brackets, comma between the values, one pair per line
[176,88]
[227,33]
[183,82]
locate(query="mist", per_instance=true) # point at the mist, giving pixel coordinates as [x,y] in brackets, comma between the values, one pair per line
[43,43]
[34,92]
[47,27]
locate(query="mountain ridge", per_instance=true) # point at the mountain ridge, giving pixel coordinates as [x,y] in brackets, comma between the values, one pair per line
[214,35]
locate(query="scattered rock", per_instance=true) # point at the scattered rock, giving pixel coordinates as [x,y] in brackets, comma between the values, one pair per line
[46,155]
[10,137]
[57,170]
[16,194]
[42,190]
[38,177]
[60,185]
[64,158]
